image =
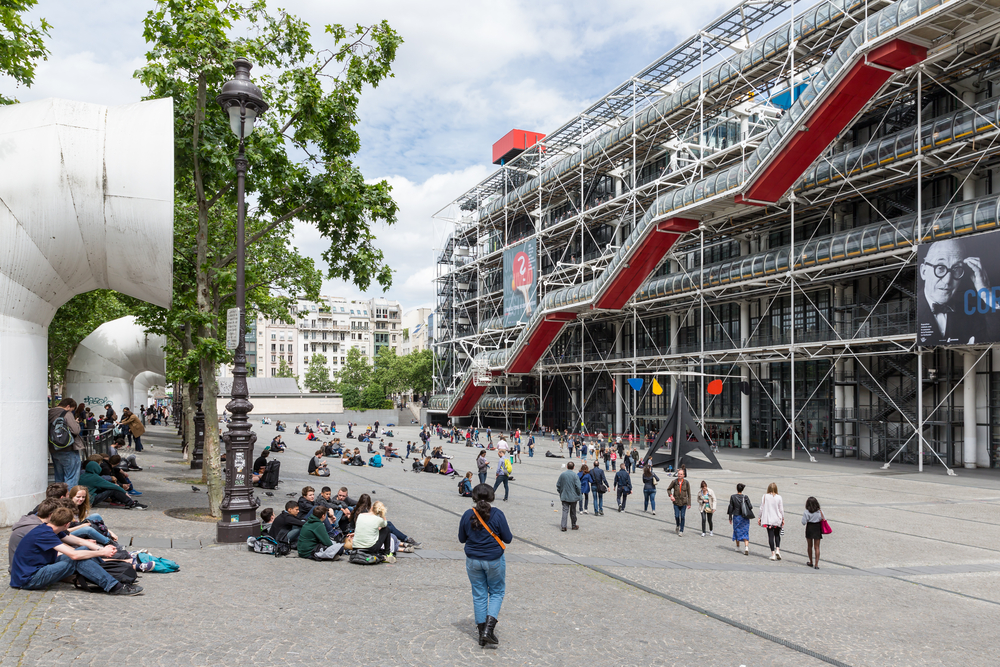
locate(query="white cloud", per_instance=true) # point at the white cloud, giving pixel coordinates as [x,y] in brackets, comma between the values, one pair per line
[466,74]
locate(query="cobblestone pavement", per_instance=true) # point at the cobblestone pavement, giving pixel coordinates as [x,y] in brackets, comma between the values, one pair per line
[910,576]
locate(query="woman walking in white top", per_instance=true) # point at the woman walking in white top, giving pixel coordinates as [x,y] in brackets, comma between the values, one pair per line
[772,517]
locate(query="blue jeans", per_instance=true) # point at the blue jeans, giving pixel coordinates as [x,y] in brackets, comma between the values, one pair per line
[607,464]
[66,466]
[488,579]
[502,480]
[64,567]
[398,533]
[138,443]
[679,513]
[648,497]
[482,478]
[598,501]
[88,533]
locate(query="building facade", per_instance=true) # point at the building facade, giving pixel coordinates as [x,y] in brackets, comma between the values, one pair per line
[415,331]
[386,323]
[749,210]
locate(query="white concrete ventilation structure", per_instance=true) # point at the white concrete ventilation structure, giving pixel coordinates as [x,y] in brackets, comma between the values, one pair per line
[114,364]
[146,382]
[86,202]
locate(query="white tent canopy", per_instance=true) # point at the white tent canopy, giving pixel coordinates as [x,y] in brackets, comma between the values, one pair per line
[86,202]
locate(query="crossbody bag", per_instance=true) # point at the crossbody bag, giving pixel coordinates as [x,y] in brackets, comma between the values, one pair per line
[483,524]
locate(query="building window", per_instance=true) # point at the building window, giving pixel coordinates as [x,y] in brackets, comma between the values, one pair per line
[324,335]
[305,360]
[282,346]
[272,347]
[289,359]
[274,337]
[305,348]
[313,324]
[273,358]
[324,347]
[274,371]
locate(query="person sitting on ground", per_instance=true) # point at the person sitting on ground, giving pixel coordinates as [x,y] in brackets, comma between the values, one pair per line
[297,431]
[375,461]
[356,460]
[41,559]
[391,453]
[317,466]
[406,544]
[550,455]
[54,490]
[266,520]
[128,459]
[287,525]
[113,470]
[100,489]
[279,426]
[314,538]
[84,524]
[465,486]
[371,534]
[429,466]
[447,469]
[24,525]
[261,461]
[343,507]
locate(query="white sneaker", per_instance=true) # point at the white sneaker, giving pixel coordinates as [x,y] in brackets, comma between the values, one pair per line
[703,534]
[772,557]
[710,533]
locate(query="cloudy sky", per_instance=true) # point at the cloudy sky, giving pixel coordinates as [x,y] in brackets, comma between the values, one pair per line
[467,73]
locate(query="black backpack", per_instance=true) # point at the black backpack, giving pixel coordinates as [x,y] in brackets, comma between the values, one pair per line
[60,437]
[269,480]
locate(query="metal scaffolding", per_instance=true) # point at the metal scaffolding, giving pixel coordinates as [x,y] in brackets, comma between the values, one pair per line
[808,300]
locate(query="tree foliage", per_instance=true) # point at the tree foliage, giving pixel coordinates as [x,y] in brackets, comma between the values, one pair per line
[22,44]
[317,377]
[301,169]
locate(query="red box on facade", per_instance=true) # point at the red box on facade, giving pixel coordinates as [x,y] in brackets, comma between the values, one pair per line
[514,143]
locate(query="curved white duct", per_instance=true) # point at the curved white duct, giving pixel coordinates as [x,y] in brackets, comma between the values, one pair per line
[107,364]
[86,202]
[144,383]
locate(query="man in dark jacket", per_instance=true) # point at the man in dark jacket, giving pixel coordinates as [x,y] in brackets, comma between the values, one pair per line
[287,525]
[598,487]
[623,483]
[314,540]
[66,461]
[569,489]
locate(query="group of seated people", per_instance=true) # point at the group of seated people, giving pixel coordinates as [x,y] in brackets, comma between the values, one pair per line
[427,465]
[321,527]
[106,477]
[62,540]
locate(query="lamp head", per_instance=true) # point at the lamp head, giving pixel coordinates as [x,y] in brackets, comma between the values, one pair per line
[241,99]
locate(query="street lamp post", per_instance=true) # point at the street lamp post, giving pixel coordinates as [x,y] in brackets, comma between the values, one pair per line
[243,102]
[198,448]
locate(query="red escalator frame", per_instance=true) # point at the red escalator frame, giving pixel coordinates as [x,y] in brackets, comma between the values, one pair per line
[538,341]
[645,258]
[836,111]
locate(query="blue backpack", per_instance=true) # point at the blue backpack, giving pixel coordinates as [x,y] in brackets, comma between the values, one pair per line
[160,564]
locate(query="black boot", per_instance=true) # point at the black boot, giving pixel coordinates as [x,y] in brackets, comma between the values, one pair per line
[482,633]
[491,624]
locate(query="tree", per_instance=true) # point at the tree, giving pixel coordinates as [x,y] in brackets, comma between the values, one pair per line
[285,371]
[301,168]
[356,373]
[317,376]
[372,398]
[389,373]
[75,320]
[21,44]
[420,371]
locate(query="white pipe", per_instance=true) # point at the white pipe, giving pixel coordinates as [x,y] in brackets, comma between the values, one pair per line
[86,202]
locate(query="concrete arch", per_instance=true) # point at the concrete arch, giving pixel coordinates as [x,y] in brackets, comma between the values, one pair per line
[143,383]
[86,202]
[112,362]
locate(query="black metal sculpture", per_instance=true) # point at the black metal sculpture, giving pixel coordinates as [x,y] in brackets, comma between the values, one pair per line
[687,437]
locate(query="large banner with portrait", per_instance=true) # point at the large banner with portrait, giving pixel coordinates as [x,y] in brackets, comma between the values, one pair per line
[520,283]
[957,302]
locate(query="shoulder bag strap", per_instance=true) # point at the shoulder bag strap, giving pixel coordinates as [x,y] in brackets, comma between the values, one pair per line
[483,524]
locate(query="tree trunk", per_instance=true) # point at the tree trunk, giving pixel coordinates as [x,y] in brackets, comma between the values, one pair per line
[189,391]
[212,469]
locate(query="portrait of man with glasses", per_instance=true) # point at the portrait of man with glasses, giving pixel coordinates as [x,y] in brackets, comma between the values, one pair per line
[957,303]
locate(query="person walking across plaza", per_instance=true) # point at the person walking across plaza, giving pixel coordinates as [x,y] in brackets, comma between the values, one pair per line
[706,503]
[740,512]
[649,480]
[503,473]
[598,487]
[568,486]
[485,533]
[623,486]
[772,517]
[812,519]
[680,496]
[482,465]
[585,482]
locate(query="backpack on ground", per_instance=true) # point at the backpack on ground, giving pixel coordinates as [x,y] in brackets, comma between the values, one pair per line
[269,480]
[160,564]
[362,558]
[60,437]
[265,544]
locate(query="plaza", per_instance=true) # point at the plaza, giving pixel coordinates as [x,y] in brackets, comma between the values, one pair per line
[909,576]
